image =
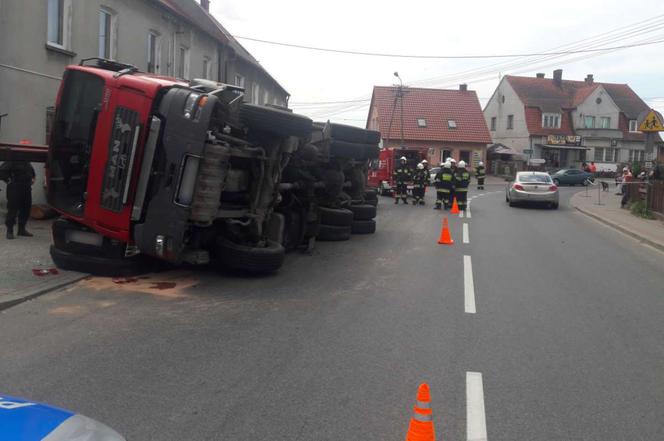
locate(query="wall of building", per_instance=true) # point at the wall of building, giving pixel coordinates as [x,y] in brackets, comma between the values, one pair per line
[518,137]
[433,150]
[252,75]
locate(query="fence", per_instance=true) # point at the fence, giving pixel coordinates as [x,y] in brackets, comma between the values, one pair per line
[637,191]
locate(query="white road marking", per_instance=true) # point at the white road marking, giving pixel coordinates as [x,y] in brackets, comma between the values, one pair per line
[465,234]
[468,286]
[468,215]
[475,416]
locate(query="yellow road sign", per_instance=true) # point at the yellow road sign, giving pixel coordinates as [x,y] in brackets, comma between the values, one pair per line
[652,123]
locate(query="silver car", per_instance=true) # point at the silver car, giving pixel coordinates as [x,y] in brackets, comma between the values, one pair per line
[532,187]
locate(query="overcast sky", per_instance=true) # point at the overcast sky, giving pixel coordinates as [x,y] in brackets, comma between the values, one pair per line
[419,27]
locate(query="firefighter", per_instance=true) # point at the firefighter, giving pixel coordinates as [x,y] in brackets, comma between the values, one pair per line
[19,176]
[461,182]
[453,169]
[420,178]
[402,174]
[444,181]
[480,175]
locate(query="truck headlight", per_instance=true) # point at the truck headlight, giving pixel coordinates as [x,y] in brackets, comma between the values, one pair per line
[187,184]
[190,105]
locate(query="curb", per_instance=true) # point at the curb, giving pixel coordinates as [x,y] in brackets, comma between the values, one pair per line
[622,229]
[29,294]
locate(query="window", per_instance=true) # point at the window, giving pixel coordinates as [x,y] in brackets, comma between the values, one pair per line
[599,154]
[266,97]
[589,122]
[510,122]
[239,81]
[153,52]
[551,120]
[633,126]
[206,68]
[605,122]
[55,25]
[451,124]
[608,154]
[183,62]
[105,34]
[493,124]
[636,155]
[421,122]
[255,93]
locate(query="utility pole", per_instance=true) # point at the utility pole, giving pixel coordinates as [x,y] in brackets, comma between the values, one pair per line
[400,95]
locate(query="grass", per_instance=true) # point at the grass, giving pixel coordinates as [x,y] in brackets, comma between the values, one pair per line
[640,209]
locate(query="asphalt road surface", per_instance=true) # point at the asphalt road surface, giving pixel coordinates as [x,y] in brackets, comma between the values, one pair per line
[545,326]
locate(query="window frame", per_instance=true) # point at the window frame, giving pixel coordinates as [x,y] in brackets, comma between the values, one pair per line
[452,124]
[551,120]
[156,47]
[493,123]
[183,62]
[602,120]
[587,118]
[206,67]
[255,93]
[636,126]
[510,122]
[110,32]
[239,80]
[421,122]
[266,96]
[64,35]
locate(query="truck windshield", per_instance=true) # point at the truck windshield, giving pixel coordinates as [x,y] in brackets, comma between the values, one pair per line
[71,142]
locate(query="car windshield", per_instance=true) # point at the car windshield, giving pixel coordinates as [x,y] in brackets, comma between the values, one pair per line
[544,179]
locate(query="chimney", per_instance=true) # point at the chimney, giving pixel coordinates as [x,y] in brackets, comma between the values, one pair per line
[589,79]
[540,75]
[558,76]
[463,87]
[206,5]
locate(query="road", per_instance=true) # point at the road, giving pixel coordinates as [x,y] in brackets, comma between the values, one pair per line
[553,331]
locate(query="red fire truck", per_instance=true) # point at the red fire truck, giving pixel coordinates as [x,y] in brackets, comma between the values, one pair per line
[381,170]
[143,167]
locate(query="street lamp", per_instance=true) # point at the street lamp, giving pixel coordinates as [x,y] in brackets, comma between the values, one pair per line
[400,95]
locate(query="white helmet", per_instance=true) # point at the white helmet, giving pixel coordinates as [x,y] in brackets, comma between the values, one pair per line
[447,164]
[625,169]
[424,161]
[481,164]
[452,160]
[462,164]
[403,158]
[420,166]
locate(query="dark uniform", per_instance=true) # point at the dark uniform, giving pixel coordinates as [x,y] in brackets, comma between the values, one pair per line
[420,179]
[402,174]
[19,175]
[480,174]
[444,182]
[461,182]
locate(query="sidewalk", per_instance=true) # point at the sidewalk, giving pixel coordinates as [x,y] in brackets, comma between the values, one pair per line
[18,259]
[610,213]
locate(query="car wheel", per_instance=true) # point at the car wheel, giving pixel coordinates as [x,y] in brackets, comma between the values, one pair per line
[511,203]
[263,259]
[363,211]
[279,122]
[333,233]
[507,198]
[339,217]
[363,226]
[557,182]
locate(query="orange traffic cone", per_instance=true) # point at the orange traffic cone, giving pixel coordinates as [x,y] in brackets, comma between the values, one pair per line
[421,424]
[455,207]
[445,236]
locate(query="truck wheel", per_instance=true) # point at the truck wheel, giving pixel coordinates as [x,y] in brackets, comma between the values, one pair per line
[344,132]
[257,260]
[363,226]
[371,151]
[339,217]
[333,233]
[363,211]
[279,122]
[348,150]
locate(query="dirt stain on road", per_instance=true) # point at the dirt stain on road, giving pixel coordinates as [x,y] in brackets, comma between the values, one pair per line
[168,285]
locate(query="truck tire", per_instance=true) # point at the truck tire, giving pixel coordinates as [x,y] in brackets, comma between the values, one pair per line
[333,233]
[363,227]
[354,134]
[371,195]
[256,260]
[371,151]
[363,211]
[279,122]
[348,150]
[339,217]
[100,266]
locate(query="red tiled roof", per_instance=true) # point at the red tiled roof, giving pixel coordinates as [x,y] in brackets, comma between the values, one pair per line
[436,106]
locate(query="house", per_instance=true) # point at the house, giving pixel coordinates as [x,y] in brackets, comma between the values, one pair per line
[441,123]
[170,37]
[564,123]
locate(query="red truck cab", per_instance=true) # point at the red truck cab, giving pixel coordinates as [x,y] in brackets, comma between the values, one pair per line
[381,170]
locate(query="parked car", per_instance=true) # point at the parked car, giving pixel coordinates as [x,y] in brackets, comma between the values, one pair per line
[572,176]
[532,187]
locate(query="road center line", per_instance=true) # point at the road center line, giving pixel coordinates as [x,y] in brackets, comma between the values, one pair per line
[475,416]
[468,286]
[468,210]
[465,233]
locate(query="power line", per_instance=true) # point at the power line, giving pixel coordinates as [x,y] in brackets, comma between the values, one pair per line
[441,57]
[304,103]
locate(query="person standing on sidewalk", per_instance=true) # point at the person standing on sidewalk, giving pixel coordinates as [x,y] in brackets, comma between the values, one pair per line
[19,176]
[626,179]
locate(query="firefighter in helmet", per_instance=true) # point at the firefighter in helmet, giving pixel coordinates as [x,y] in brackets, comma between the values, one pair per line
[402,174]
[461,183]
[420,179]
[480,175]
[443,181]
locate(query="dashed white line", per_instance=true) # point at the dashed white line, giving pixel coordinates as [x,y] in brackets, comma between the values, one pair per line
[475,414]
[468,215]
[468,286]
[466,239]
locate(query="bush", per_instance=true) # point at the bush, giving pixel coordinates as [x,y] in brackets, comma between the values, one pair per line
[639,208]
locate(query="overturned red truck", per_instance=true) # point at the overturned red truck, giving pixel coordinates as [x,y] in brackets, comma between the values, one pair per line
[144,168]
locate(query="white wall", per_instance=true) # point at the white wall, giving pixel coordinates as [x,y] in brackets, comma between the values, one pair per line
[518,137]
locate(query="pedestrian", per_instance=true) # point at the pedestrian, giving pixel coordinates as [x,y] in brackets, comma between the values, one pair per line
[453,168]
[626,179]
[585,167]
[19,176]
[480,175]
[420,178]
[593,168]
[461,183]
[443,182]
[402,174]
